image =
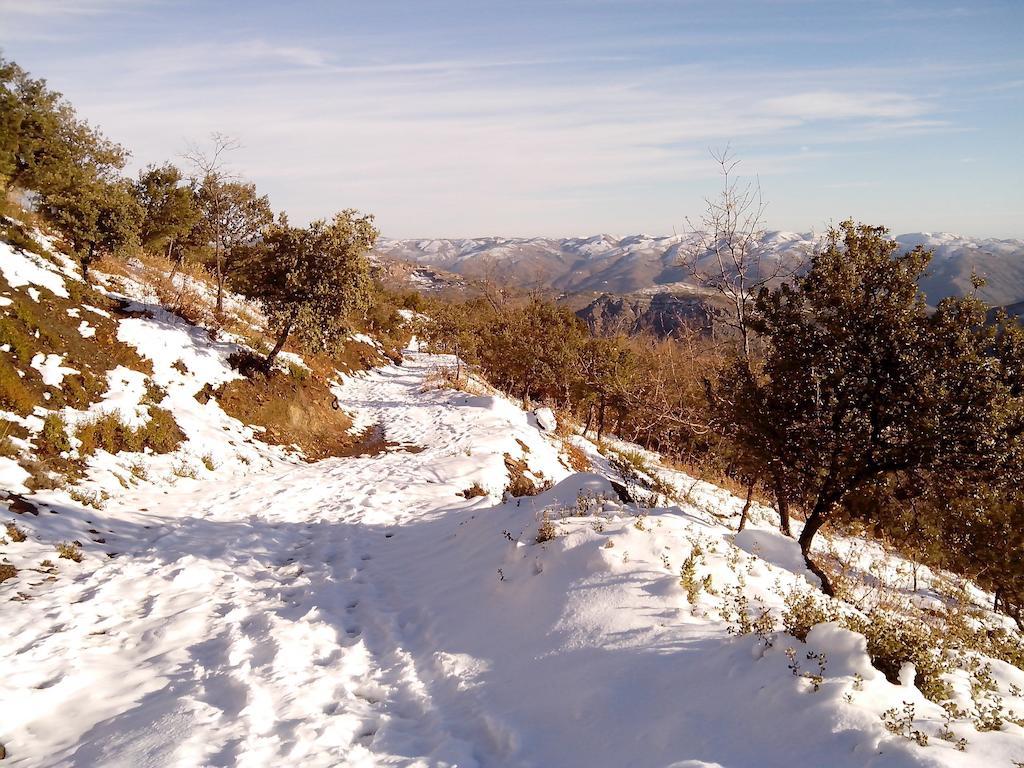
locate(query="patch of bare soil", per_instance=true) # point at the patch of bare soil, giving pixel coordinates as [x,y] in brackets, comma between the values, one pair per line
[292,411]
[372,442]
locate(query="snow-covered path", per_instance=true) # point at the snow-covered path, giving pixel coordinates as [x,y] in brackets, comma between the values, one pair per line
[360,612]
[245,622]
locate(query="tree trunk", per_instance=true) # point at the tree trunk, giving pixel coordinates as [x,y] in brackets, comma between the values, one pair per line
[590,420]
[813,524]
[282,337]
[600,418]
[219,312]
[87,261]
[746,504]
[782,502]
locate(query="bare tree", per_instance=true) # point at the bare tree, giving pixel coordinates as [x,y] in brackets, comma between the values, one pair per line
[726,254]
[209,165]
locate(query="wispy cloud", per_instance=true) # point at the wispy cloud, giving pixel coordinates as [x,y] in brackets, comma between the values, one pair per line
[446,131]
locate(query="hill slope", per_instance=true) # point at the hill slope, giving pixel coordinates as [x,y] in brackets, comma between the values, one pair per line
[404,607]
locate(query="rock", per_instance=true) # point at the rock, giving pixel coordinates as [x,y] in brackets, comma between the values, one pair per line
[546,419]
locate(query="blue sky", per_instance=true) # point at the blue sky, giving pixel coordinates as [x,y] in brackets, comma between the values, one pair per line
[453,118]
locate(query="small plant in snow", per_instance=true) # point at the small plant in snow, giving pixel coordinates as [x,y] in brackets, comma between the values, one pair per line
[209,463]
[70,551]
[708,584]
[17,535]
[688,574]
[93,499]
[988,704]
[947,734]
[546,531]
[901,723]
[816,678]
[184,469]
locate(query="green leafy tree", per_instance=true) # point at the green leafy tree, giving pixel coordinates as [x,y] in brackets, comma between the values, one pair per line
[97,216]
[170,208]
[454,329]
[312,280]
[862,382]
[233,216]
[42,140]
[607,371]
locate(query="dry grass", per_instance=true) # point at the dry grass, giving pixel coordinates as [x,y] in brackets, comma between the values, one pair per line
[7,571]
[70,550]
[474,491]
[108,432]
[576,457]
[14,394]
[446,377]
[292,410]
[14,533]
[519,484]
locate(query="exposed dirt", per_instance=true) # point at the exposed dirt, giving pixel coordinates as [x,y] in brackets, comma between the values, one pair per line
[292,411]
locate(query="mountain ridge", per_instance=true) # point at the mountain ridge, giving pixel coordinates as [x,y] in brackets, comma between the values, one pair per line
[608,263]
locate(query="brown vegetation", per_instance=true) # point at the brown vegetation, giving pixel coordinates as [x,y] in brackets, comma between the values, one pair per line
[292,411]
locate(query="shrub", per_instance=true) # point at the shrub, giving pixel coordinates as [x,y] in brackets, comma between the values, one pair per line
[892,642]
[546,531]
[14,233]
[53,439]
[7,571]
[70,551]
[161,433]
[688,575]
[298,372]
[803,611]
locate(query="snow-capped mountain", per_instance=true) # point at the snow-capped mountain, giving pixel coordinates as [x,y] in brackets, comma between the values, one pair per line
[625,264]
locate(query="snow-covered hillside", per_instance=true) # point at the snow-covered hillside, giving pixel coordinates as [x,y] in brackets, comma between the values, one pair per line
[361,612]
[625,264]
[228,603]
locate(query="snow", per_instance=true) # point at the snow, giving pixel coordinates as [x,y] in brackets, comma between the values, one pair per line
[22,268]
[12,476]
[87,331]
[362,612]
[49,366]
